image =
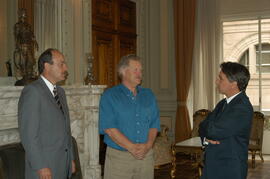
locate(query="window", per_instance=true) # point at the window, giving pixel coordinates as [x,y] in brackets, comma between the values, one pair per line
[265,62]
[248,42]
[245,59]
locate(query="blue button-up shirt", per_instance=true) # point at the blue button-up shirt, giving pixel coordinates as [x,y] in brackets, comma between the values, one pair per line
[132,115]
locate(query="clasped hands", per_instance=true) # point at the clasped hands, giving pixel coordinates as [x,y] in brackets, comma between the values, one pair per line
[139,151]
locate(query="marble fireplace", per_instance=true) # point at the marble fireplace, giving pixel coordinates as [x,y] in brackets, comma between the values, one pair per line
[83,104]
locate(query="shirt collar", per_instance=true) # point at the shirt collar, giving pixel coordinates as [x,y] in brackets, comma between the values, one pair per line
[231,98]
[48,84]
[127,91]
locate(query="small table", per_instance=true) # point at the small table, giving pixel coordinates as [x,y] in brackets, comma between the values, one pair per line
[192,146]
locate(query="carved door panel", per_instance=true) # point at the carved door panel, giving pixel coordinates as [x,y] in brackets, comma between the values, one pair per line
[127,46]
[104,55]
[103,14]
[114,35]
[127,17]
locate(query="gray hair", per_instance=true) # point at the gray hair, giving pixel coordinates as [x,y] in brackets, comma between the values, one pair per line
[124,63]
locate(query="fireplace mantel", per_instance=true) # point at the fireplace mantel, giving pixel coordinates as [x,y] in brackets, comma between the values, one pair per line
[83,104]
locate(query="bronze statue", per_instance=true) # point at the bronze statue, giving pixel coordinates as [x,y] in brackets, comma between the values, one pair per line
[26,44]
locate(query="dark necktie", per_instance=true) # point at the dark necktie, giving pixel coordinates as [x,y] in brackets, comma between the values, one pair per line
[224,105]
[56,97]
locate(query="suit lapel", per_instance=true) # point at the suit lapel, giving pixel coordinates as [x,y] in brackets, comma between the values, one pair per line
[46,91]
[218,111]
[241,95]
[61,98]
[232,102]
[64,106]
[221,106]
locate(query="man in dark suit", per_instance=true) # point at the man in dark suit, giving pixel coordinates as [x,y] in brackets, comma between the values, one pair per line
[226,130]
[44,123]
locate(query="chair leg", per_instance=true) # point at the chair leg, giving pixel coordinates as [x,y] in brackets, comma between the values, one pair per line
[201,165]
[199,171]
[173,170]
[253,159]
[261,156]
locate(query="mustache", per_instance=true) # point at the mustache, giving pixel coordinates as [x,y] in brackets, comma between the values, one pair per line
[66,74]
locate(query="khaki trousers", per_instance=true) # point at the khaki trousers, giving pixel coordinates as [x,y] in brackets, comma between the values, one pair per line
[122,165]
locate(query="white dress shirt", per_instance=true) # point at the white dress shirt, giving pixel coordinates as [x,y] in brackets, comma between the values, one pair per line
[49,84]
[231,98]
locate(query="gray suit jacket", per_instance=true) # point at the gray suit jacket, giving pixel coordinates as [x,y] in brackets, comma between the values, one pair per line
[45,131]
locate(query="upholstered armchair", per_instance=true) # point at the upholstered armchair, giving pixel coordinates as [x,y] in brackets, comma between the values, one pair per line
[256,136]
[198,117]
[162,148]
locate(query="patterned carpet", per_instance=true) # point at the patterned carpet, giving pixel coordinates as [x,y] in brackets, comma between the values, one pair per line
[186,170]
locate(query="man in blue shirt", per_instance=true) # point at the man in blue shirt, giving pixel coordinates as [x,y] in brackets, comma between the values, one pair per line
[129,120]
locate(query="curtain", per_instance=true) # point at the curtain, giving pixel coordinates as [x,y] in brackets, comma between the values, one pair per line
[48,24]
[207,55]
[184,23]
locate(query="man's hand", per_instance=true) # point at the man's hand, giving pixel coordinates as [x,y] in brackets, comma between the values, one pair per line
[45,173]
[73,166]
[212,141]
[134,150]
[139,150]
[143,150]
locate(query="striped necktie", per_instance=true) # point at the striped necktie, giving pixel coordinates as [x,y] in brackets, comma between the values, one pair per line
[56,97]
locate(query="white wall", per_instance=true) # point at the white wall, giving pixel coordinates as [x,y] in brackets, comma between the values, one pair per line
[159,68]
[244,7]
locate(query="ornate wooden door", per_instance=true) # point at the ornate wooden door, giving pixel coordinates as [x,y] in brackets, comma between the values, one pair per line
[114,35]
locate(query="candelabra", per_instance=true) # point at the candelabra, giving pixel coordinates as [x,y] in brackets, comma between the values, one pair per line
[89,79]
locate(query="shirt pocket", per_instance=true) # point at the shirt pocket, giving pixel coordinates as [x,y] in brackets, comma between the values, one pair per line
[146,116]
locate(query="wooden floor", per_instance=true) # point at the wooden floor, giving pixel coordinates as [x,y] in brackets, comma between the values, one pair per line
[186,170]
[261,171]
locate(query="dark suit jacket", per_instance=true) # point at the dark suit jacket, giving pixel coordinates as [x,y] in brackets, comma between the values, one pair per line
[231,126]
[45,131]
